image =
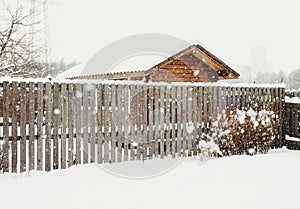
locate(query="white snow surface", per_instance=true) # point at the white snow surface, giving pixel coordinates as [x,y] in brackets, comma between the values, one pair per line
[261,181]
[290,138]
[292,100]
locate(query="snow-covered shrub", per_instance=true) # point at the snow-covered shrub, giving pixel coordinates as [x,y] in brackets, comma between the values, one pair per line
[244,131]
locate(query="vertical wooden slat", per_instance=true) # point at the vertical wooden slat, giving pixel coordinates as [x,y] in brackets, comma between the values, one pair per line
[205,114]
[56,115]
[184,120]
[200,111]
[40,131]
[162,117]
[173,120]
[107,99]
[71,108]
[195,113]
[14,148]
[79,95]
[145,112]
[85,139]
[120,121]
[151,122]
[31,124]
[167,116]
[99,123]
[5,143]
[138,120]
[49,111]
[179,125]
[127,122]
[63,126]
[92,122]
[132,120]
[190,124]
[156,120]
[23,117]
[113,123]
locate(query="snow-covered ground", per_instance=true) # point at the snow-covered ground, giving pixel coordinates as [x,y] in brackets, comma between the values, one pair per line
[261,181]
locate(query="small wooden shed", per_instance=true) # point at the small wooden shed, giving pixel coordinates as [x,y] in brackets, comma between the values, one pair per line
[193,64]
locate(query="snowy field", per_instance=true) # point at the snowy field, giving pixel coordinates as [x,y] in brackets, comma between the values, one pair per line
[262,181]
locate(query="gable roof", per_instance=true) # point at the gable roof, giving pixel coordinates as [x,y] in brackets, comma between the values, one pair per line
[205,58]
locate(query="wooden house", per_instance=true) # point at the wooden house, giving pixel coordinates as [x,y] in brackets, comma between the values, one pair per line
[193,64]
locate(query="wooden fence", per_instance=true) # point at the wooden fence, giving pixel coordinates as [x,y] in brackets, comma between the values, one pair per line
[292,119]
[48,126]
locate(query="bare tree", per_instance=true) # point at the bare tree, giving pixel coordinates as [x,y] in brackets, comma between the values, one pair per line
[19,56]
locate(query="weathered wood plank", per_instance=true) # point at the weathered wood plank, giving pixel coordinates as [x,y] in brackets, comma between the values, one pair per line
[92,122]
[120,121]
[23,127]
[162,117]
[56,116]
[200,112]
[4,162]
[63,126]
[184,120]
[113,123]
[132,120]
[107,99]
[179,122]
[167,119]
[127,121]
[86,122]
[14,148]
[79,95]
[156,120]
[205,114]
[71,108]
[190,124]
[99,123]
[145,133]
[173,120]
[40,121]
[138,120]
[49,111]
[31,124]
[151,122]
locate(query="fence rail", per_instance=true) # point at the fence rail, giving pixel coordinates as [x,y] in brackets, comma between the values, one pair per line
[48,126]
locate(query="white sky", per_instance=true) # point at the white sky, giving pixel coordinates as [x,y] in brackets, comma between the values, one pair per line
[229,29]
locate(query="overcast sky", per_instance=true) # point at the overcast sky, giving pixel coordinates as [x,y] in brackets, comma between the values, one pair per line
[230,29]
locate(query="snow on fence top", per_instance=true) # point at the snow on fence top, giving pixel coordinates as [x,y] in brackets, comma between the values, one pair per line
[135,82]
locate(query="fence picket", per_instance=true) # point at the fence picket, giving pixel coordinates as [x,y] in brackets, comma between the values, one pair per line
[56,116]
[63,126]
[40,131]
[14,147]
[162,123]
[85,122]
[99,123]
[4,162]
[78,94]
[71,108]
[31,124]
[92,116]
[23,117]
[173,121]
[179,128]
[48,123]
[151,123]
[127,122]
